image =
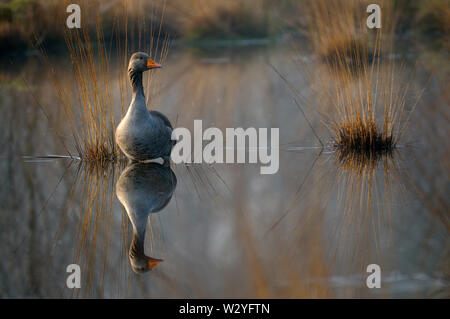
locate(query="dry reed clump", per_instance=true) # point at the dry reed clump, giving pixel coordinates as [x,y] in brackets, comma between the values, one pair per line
[91,118]
[363,104]
[366,113]
[363,135]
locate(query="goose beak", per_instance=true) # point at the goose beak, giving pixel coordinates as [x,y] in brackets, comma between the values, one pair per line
[152,262]
[152,64]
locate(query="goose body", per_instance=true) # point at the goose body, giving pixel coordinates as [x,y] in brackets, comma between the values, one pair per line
[142,134]
[144,188]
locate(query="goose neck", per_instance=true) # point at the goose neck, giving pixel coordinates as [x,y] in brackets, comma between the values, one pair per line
[136,82]
[137,244]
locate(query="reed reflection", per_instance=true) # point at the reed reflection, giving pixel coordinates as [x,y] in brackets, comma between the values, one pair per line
[366,186]
[349,200]
[144,189]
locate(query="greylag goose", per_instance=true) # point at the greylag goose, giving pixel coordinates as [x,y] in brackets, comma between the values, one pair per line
[142,134]
[143,189]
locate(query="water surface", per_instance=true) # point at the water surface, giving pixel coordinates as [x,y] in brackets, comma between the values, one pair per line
[308,231]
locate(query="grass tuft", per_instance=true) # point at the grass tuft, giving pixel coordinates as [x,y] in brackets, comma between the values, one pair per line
[363,104]
[362,135]
[89,111]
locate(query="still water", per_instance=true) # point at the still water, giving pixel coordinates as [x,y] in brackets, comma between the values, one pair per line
[222,230]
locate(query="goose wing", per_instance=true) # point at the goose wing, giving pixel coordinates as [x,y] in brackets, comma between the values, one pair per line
[165,121]
[162,117]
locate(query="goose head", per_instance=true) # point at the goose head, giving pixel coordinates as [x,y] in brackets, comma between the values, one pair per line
[141,62]
[140,263]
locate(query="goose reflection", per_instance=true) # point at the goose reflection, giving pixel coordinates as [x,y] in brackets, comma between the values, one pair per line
[143,189]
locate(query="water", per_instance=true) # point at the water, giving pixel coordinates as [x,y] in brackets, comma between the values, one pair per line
[308,231]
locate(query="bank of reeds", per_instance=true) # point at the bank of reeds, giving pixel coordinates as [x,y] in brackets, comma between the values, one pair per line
[23,23]
[27,23]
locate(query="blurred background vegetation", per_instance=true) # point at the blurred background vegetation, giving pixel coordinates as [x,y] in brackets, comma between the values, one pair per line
[27,23]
